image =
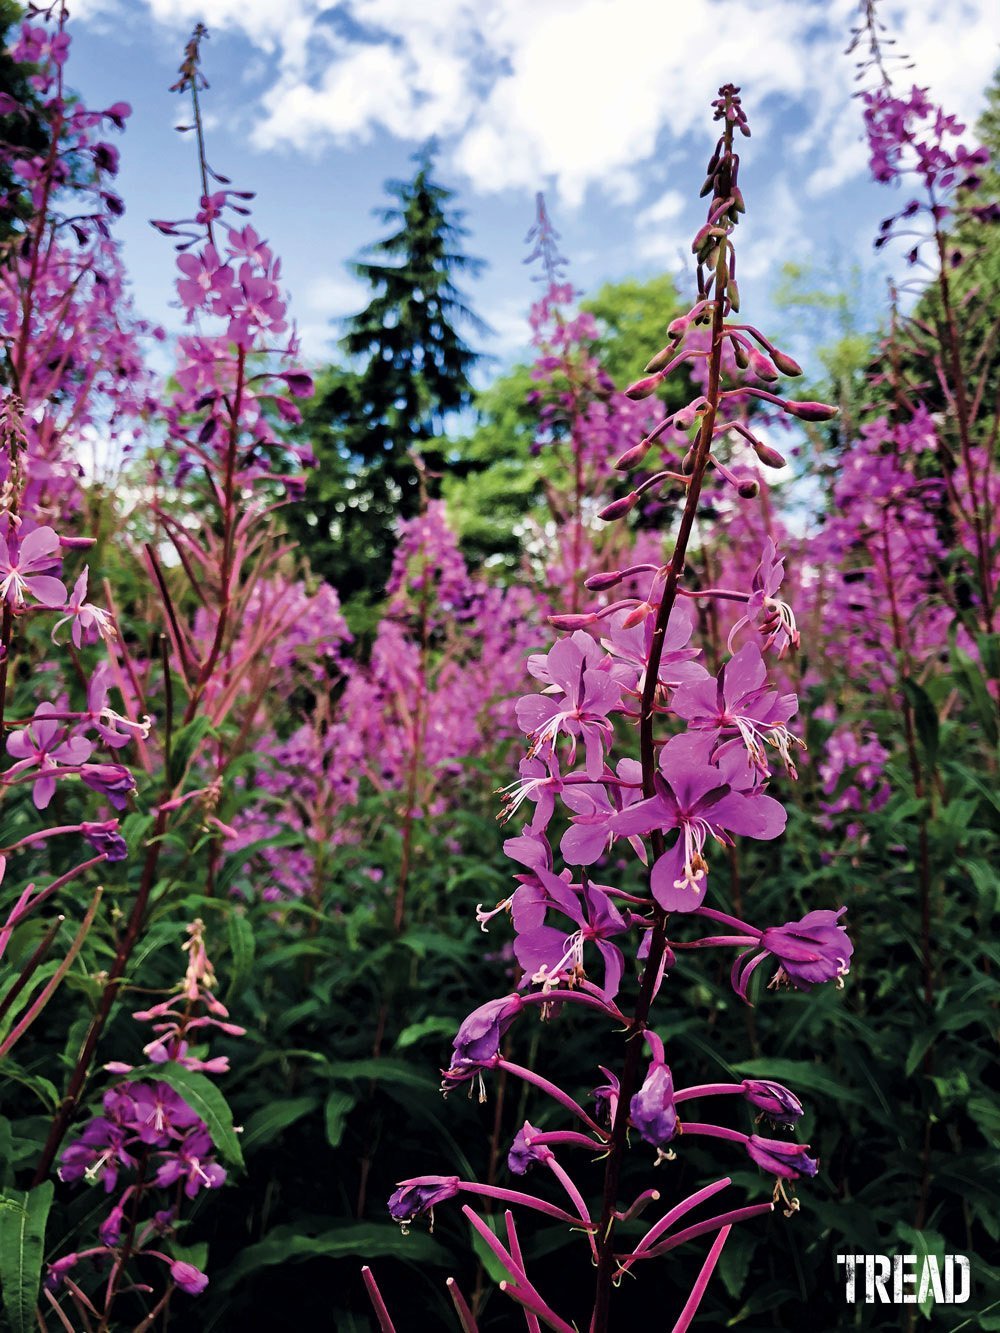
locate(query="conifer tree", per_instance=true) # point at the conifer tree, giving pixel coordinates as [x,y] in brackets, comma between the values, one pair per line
[406,371]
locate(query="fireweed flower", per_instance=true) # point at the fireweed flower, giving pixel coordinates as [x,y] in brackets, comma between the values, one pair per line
[778,1104]
[478,1039]
[809,952]
[44,744]
[594,807]
[549,955]
[26,566]
[188,1278]
[739,700]
[774,618]
[629,645]
[788,1160]
[112,780]
[523,1154]
[651,1110]
[694,798]
[105,837]
[420,1195]
[88,622]
[589,694]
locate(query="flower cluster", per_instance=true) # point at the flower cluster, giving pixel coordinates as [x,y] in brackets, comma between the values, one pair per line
[151,1137]
[629,665]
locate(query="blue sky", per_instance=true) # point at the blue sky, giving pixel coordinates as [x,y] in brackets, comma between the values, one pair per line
[601,103]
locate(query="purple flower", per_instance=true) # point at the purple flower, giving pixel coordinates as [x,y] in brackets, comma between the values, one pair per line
[112,780]
[97,1154]
[589,693]
[188,1278]
[739,701]
[26,565]
[416,1196]
[694,797]
[159,1113]
[651,1110]
[523,1153]
[191,1162]
[630,646]
[548,954]
[44,744]
[812,950]
[607,1096]
[774,618]
[88,621]
[58,1270]
[478,1039]
[104,837]
[789,1160]
[778,1104]
[594,807]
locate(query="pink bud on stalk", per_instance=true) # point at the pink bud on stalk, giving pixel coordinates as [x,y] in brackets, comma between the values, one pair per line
[810,411]
[768,456]
[644,387]
[618,508]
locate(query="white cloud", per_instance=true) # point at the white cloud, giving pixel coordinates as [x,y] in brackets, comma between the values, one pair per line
[579,93]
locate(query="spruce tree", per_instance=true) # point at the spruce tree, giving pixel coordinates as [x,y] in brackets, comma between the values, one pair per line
[406,370]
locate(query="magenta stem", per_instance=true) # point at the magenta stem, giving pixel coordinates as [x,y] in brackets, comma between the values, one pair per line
[701,1282]
[706,1090]
[375,1296]
[668,1219]
[557,1094]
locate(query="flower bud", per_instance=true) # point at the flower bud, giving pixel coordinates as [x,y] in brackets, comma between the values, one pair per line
[644,387]
[573,622]
[768,456]
[661,358]
[679,326]
[618,508]
[739,354]
[733,292]
[810,411]
[76,543]
[785,363]
[634,455]
[761,365]
[748,490]
[601,582]
[687,462]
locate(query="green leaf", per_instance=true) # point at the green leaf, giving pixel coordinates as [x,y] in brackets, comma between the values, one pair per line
[384,1070]
[269,1121]
[338,1107]
[925,718]
[427,1027]
[185,743]
[922,1244]
[22,1240]
[242,947]
[367,1240]
[205,1099]
[799,1074]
